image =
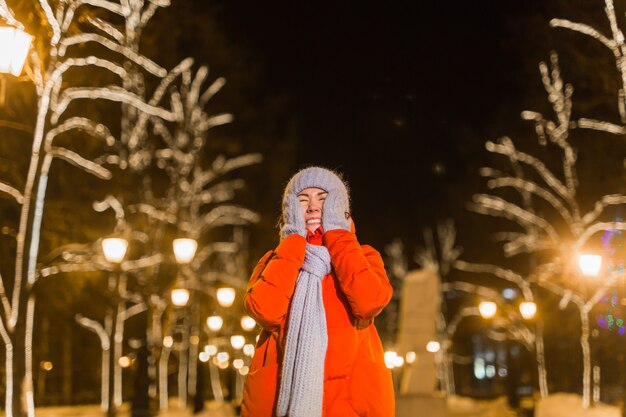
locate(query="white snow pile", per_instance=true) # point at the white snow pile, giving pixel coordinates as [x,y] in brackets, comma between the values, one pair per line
[571,405]
[469,407]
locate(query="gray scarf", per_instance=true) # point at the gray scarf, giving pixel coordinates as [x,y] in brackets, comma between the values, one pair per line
[302,381]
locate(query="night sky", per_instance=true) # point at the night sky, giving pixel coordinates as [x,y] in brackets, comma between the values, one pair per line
[400,97]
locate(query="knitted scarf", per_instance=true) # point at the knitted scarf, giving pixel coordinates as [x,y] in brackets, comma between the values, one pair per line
[302,381]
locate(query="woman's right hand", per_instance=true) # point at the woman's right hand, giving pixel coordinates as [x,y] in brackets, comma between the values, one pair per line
[292,217]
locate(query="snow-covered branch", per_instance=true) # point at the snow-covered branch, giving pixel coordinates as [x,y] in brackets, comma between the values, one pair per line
[152,212]
[12,191]
[97,328]
[112,93]
[80,162]
[95,129]
[129,54]
[605,201]
[496,206]
[505,274]
[224,215]
[506,148]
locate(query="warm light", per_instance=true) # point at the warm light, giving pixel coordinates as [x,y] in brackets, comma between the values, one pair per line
[433,346]
[247,323]
[238,363]
[210,349]
[244,370]
[390,359]
[528,309]
[398,361]
[180,297]
[14,47]
[590,264]
[214,323]
[168,341]
[487,309]
[410,357]
[223,357]
[184,250]
[222,365]
[248,350]
[114,248]
[124,361]
[46,365]
[194,339]
[237,341]
[204,356]
[225,296]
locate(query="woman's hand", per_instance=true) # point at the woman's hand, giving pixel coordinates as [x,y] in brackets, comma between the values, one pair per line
[336,211]
[294,221]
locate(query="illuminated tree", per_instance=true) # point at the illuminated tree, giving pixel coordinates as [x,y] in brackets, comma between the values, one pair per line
[88,64]
[553,222]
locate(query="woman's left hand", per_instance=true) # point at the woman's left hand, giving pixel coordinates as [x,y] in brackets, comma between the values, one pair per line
[336,211]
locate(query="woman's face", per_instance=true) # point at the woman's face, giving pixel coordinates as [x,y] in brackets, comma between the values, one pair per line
[312,202]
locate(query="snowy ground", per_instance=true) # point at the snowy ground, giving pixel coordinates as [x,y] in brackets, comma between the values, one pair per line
[212,409]
[570,405]
[468,407]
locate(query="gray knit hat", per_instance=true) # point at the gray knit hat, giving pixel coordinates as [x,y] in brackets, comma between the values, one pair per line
[317,177]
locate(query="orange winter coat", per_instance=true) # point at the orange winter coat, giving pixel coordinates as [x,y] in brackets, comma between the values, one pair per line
[356,381]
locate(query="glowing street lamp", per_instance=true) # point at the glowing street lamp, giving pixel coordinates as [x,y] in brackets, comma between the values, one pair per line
[237,341]
[225,296]
[214,323]
[180,297]
[248,323]
[124,361]
[390,359]
[248,349]
[487,309]
[433,346]
[590,264]
[114,249]
[14,47]
[184,249]
[528,309]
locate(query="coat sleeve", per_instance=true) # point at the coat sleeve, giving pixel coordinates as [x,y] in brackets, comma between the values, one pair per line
[272,283]
[360,272]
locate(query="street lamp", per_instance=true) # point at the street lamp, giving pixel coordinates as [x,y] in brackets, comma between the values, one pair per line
[114,249]
[225,296]
[184,249]
[180,297]
[214,323]
[590,264]
[433,346]
[14,47]
[248,323]
[237,341]
[528,309]
[487,309]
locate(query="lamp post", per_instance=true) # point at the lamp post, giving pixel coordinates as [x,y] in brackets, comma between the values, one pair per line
[114,250]
[590,266]
[184,251]
[226,296]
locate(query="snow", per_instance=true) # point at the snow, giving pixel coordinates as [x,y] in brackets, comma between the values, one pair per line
[570,405]
[469,407]
[212,409]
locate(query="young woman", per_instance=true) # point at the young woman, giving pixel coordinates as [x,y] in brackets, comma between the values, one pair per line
[316,296]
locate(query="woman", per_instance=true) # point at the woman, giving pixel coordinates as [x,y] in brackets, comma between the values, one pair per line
[316,296]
